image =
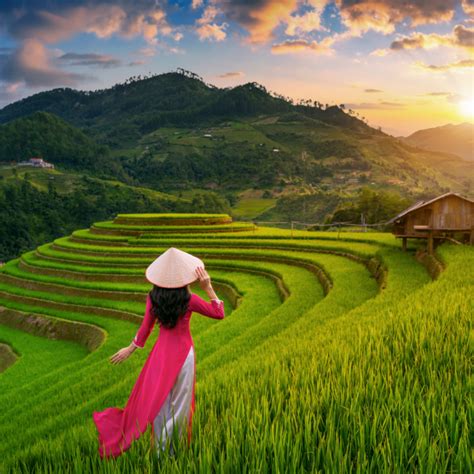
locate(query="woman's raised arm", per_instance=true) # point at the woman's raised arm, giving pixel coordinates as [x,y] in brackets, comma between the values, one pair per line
[214,309]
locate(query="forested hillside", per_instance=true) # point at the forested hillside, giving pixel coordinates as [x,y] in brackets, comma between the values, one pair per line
[125,112]
[46,135]
[39,205]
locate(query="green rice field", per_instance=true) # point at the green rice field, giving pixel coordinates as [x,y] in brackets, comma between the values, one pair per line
[338,353]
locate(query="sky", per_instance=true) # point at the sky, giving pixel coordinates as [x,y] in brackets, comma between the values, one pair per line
[402,65]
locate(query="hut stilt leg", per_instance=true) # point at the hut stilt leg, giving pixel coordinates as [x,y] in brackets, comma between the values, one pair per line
[430,244]
[404,243]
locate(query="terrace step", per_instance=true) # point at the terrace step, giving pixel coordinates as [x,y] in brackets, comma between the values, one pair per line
[81,276]
[207,244]
[89,263]
[96,229]
[88,335]
[86,309]
[172,219]
[228,290]
[72,291]
[7,356]
[104,242]
[323,277]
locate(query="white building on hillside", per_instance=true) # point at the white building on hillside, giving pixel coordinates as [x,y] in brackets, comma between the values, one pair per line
[37,163]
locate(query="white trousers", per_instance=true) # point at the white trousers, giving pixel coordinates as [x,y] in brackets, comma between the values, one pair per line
[174,413]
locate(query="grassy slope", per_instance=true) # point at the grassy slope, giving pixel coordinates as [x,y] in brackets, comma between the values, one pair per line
[67,181]
[353,380]
[416,169]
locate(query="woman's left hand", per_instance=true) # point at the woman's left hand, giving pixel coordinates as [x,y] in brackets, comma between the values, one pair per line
[121,355]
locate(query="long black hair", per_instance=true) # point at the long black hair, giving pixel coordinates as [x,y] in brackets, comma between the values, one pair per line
[168,304]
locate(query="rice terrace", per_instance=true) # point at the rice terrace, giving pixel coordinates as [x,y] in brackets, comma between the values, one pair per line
[338,352]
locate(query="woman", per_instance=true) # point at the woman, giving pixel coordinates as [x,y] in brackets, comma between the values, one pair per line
[163,394]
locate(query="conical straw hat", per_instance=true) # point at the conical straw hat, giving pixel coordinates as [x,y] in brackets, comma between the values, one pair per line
[173,269]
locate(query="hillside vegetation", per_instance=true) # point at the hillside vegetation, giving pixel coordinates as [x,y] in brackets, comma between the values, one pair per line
[289,150]
[337,353]
[174,132]
[127,111]
[37,205]
[46,135]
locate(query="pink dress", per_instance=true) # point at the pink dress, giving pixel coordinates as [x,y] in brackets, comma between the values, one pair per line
[118,427]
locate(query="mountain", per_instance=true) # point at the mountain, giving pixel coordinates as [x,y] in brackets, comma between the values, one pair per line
[125,112]
[174,132]
[46,135]
[457,139]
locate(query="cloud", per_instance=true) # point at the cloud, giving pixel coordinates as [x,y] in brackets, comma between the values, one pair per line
[437,94]
[416,40]
[50,21]
[34,24]
[383,105]
[463,64]
[208,15]
[460,37]
[207,29]
[138,62]
[148,51]
[89,59]
[212,31]
[361,16]
[463,37]
[162,47]
[392,104]
[372,91]
[196,4]
[380,52]
[456,98]
[309,21]
[31,63]
[227,75]
[468,7]
[9,92]
[450,97]
[13,87]
[258,17]
[304,46]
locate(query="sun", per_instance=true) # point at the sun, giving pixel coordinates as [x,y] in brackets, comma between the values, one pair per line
[466,108]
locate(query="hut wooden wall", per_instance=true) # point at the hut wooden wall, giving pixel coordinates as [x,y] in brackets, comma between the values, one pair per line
[448,213]
[452,212]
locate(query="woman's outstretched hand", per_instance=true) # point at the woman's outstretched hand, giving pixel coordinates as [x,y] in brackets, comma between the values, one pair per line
[121,355]
[204,278]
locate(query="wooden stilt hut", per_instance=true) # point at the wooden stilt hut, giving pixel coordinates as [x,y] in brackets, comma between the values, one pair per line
[443,217]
